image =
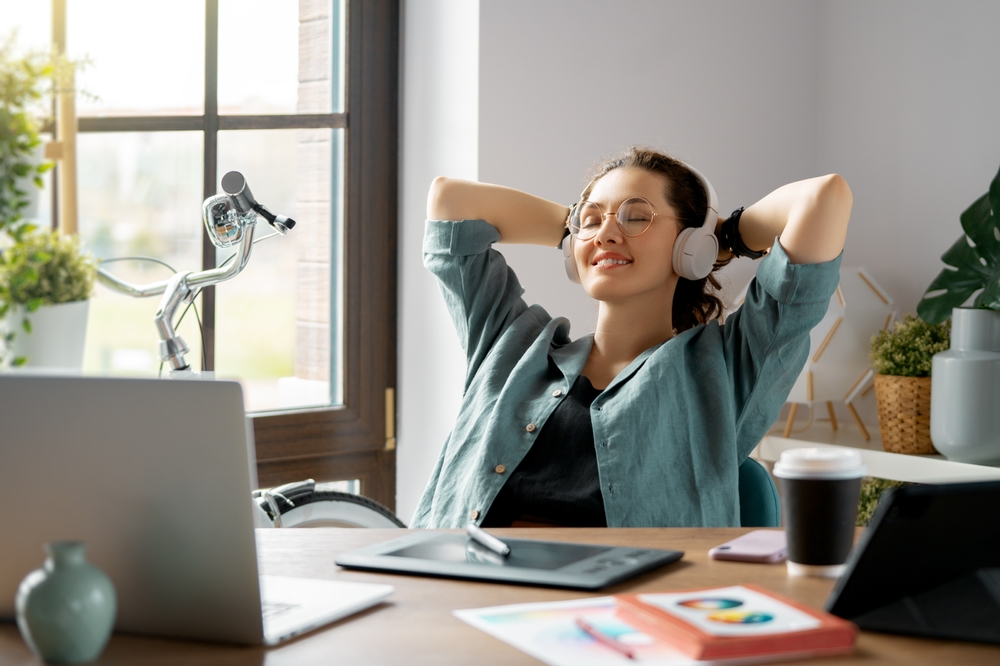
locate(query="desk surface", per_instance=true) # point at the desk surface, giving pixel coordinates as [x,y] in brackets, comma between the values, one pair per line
[415,625]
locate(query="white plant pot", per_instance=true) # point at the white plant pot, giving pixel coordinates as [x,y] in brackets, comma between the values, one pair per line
[965,389]
[58,334]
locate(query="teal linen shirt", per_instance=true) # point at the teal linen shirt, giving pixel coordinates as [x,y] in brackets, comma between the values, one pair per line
[672,428]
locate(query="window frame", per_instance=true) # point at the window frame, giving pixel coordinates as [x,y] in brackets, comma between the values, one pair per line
[353,440]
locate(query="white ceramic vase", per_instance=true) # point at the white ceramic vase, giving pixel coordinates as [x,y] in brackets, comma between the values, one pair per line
[58,334]
[965,389]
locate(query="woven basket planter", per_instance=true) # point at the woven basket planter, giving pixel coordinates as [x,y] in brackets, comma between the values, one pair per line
[904,413]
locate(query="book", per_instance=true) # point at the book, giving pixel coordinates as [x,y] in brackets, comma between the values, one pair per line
[736,622]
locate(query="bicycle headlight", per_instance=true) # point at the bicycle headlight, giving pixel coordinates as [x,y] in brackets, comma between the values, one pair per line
[223,221]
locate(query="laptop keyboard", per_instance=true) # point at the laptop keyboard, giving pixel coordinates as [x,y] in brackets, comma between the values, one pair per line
[275,608]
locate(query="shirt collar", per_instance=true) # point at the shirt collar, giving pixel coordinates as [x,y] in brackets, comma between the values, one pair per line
[571,358]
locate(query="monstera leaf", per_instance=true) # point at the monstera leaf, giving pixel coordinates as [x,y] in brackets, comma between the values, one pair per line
[972,263]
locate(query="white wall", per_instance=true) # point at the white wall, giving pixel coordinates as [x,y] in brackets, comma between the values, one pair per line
[909,115]
[899,96]
[439,127]
[564,83]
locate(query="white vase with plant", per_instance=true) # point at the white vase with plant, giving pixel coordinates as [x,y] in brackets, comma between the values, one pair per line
[965,413]
[45,284]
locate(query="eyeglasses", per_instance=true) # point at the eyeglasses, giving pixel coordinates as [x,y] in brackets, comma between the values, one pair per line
[633,217]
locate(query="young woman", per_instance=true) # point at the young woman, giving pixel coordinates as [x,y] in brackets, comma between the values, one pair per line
[646,421]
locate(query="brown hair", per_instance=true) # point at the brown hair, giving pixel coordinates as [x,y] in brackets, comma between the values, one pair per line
[695,301]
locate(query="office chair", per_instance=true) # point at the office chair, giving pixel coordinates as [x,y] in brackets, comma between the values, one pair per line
[759,503]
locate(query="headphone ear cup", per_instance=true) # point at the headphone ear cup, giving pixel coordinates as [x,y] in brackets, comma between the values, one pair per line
[695,252]
[569,261]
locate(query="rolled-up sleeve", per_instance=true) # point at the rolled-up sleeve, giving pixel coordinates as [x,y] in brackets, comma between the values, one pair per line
[766,341]
[481,292]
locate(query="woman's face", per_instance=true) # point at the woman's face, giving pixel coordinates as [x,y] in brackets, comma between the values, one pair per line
[617,268]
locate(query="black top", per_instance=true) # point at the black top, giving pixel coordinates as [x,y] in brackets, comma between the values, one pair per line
[557,482]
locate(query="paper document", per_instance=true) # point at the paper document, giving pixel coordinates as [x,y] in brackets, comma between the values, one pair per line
[548,631]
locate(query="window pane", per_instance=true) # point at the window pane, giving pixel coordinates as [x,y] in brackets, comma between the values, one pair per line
[31,20]
[139,195]
[279,56]
[146,58]
[278,324]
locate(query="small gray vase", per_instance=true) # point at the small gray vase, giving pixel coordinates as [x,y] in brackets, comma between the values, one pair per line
[965,389]
[66,609]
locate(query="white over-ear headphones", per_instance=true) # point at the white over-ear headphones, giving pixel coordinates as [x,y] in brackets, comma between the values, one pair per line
[695,249]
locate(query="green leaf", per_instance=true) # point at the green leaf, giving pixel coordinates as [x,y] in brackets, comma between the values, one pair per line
[949,290]
[980,225]
[26,325]
[33,304]
[4,307]
[995,194]
[989,297]
[962,255]
[21,170]
[953,286]
[45,166]
[19,361]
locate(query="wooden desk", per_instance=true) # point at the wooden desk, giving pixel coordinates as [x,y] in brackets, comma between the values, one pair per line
[415,626]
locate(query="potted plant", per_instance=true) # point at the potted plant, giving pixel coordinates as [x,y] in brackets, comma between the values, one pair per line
[45,284]
[902,358]
[965,423]
[40,273]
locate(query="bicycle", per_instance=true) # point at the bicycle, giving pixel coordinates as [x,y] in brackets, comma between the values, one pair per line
[230,220]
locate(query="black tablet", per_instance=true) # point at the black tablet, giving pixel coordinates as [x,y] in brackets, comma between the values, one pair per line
[928,565]
[530,562]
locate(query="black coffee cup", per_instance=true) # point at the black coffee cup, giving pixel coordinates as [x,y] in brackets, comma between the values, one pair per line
[820,487]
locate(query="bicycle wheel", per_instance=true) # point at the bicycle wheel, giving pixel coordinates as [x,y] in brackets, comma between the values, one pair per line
[310,504]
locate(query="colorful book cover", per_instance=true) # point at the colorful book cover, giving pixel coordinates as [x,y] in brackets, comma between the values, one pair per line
[736,622]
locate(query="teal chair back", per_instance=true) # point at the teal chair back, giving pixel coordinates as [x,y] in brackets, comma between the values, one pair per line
[759,504]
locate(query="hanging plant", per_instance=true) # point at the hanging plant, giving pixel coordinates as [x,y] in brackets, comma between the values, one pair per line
[972,263]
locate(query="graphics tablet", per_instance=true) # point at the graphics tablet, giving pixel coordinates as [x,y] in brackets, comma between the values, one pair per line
[531,562]
[929,565]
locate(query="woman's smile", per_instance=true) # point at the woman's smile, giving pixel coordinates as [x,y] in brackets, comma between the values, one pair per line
[609,260]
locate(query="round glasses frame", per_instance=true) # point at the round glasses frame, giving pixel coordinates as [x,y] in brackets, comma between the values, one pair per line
[578,231]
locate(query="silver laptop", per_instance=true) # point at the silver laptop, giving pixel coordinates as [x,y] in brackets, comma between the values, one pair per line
[155,476]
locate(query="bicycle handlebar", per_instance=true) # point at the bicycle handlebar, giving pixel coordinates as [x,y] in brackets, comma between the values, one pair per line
[230,220]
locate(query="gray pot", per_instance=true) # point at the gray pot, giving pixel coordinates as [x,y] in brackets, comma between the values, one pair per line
[965,389]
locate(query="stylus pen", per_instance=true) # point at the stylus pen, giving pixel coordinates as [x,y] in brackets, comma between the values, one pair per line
[483,538]
[604,639]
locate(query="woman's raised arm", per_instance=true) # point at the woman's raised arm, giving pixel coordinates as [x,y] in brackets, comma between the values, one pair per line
[810,217]
[519,217]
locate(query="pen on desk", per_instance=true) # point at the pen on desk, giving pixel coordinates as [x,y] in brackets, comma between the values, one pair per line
[604,639]
[483,538]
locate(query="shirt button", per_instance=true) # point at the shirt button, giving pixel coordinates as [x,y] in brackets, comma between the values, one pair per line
[500,469]
[557,393]
[474,514]
[530,427]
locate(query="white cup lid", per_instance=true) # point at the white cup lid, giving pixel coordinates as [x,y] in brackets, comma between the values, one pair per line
[820,462]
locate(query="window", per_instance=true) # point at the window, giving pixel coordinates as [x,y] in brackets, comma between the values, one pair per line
[301,97]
